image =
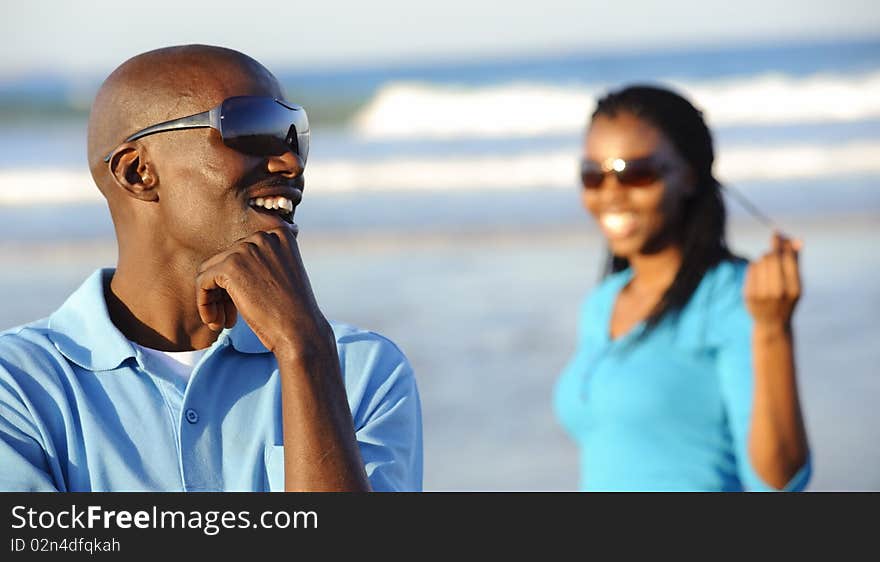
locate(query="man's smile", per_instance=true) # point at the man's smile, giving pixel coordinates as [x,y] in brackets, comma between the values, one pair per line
[274,205]
[278,200]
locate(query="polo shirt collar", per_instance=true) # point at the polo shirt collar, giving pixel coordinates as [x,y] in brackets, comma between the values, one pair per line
[82,331]
[243,339]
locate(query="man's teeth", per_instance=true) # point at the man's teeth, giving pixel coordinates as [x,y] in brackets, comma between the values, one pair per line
[281,203]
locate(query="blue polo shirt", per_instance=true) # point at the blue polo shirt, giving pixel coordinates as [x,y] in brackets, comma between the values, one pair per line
[81,409]
[669,409]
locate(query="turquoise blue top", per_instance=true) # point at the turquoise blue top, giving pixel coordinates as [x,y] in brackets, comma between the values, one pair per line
[669,411]
[82,410]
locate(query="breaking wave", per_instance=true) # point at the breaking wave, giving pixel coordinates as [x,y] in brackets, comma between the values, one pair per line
[403,110]
[521,170]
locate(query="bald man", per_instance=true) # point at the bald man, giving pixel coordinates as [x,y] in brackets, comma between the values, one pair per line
[202,362]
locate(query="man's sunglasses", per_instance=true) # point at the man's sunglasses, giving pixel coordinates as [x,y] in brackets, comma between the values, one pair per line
[255,125]
[638,172]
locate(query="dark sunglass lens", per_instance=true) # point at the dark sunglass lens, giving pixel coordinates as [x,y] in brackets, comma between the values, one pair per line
[298,142]
[261,126]
[291,139]
[258,145]
[591,175]
[638,174]
[592,179]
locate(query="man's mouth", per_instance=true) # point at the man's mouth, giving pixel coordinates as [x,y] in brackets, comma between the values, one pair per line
[274,205]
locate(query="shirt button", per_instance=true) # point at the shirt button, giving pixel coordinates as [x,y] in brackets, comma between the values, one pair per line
[192,416]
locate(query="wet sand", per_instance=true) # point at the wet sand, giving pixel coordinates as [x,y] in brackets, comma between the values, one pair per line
[487,317]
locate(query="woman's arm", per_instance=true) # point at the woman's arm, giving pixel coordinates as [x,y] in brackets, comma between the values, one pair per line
[777,442]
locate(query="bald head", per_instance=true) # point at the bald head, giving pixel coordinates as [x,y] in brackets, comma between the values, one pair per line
[165,84]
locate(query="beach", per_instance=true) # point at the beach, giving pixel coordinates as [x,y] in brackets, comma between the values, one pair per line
[442,209]
[486,314]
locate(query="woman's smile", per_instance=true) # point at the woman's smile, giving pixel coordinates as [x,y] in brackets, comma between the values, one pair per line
[618,224]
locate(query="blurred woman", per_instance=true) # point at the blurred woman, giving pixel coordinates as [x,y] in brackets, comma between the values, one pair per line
[684,375]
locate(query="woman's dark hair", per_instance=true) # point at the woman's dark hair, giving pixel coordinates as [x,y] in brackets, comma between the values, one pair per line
[702,228]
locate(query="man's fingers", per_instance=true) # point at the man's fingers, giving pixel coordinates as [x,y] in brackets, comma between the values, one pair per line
[285,230]
[215,306]
[213,313]
[276,235]
[233,273]
[216,259]
[286,235]
[230,313]
[279,233]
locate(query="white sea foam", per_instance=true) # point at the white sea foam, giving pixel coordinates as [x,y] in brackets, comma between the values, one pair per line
[414,110]
[525,170]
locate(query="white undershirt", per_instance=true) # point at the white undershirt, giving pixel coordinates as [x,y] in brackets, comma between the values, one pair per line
[178,363]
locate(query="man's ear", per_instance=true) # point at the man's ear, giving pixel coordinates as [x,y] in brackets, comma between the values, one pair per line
[132,171]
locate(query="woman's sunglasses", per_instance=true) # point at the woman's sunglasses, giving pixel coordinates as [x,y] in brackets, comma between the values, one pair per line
[638,172]
[254,125]
[641,172]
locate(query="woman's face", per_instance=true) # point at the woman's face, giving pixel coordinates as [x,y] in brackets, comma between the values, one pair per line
[637,218]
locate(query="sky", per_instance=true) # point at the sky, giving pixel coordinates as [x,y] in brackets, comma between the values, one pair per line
[95,36]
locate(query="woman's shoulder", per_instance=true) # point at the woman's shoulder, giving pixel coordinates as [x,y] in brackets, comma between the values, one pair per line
[605,292]
[725,279]
[594,308]
[720,296]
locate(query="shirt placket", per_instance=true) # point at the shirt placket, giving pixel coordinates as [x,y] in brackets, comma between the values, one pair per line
[192,417]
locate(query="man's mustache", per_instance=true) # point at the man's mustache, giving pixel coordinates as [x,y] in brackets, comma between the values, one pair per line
[259,178]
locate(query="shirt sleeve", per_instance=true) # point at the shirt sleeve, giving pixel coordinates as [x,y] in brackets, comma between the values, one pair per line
[24,466]
[737,381]
[387,415]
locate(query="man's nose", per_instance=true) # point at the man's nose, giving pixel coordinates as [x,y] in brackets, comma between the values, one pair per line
[287,163]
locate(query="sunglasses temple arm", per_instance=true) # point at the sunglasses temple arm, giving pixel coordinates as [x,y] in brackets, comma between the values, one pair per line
[197,121]
[750,207]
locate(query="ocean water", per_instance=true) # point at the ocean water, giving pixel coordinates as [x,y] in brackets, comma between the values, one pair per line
[442,209]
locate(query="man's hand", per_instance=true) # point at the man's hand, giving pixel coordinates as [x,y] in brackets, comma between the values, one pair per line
[262,277]
[773,284]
